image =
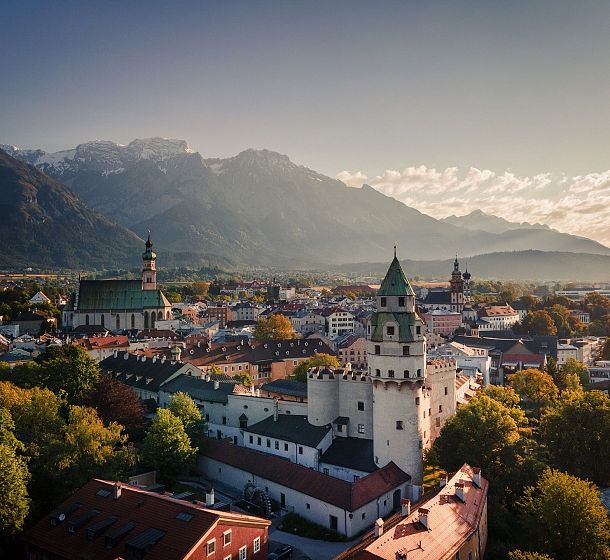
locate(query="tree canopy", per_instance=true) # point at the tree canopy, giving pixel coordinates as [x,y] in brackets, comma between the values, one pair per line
[299,373]
[277,326]
[167,447]
[576,433]
[535,385]
[563,516]
[540,323]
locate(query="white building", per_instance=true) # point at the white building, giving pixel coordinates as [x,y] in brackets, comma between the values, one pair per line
[564,352]
[338,321]
[39,299]
[468,358]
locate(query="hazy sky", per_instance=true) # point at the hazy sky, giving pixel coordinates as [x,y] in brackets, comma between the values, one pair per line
[449,106]
[369,86]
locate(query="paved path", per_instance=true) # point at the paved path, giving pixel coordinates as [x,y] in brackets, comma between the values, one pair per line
[315,549]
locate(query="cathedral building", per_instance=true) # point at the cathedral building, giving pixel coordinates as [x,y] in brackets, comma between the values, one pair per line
[119,305]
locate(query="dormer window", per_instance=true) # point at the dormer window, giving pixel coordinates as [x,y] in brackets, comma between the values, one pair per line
[390,331]
[383,302]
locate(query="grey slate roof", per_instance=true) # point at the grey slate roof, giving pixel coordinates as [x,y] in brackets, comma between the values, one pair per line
[290,427]
[200,389]
[351,452]
[147,375]
[438,298]
[286,387]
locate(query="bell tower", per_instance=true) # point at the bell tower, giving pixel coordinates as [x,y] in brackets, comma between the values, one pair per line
[149,271]
[457,288]
[396,349]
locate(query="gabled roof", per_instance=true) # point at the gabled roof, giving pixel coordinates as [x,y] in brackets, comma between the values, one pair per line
[438,297]
[290,427]
[286,387]
[395,282]
[352,453]
[147,509]
[124,295]
[405,322]
[201,389]
[346,495]
[451,522]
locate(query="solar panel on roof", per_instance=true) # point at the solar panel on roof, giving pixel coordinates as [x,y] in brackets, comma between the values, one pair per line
[184,516]
[97,529]
[78,522]
[115,535]
[145,539]
[103,492]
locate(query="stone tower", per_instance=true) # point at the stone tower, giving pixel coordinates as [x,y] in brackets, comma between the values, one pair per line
[397,363]
[457,288]
[149,271]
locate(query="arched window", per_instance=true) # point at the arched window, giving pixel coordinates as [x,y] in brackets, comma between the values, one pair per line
[133,321]
[118,322]
[153,318]
[145,319]
[87,319]
[102,320]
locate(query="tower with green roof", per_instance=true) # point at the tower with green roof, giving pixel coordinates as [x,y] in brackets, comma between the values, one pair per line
[149,271]
[396,348]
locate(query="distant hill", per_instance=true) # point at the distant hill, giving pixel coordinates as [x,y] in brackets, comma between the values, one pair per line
[518,265]
[479,220]
[259,207]
[45,225]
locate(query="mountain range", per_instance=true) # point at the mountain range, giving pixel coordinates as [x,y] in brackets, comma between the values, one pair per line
[259,207]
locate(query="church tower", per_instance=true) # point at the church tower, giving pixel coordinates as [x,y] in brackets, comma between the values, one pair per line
[457,288]
[396,349]
[149,272]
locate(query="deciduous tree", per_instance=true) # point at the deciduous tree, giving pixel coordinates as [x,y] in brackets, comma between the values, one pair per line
[277,326]
[14,503]
[563,516]
[524,555]
[299,373]
[167,446]
[540,323]
[576,434]
[535,385]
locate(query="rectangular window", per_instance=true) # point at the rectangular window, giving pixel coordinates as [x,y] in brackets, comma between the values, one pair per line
[406,374]
[438,422]
[226,538]
[242,552]
[285,447]
[440,408]
[300,450]
[224,419]
[257,545]
[446,390]
[399,424]
[360,428]
[390,331]
[401,301]
[333,522]
[418,329]
[417,400]
[339,428]
[251,438]
[307,506]
[268,443]
[390,373]
[383,302]
[378,372]
[325,471]
[259,441]
[406,351]
[360,405]
[377,349]
[277,445]
[211,547]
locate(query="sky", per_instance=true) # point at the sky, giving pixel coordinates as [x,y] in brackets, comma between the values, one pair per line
[365,89]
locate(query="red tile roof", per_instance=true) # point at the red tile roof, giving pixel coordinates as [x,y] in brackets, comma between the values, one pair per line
[450,522]
[147,509]
[347,495]
[95,342]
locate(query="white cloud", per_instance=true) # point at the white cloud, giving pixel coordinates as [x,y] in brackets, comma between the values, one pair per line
[579,205]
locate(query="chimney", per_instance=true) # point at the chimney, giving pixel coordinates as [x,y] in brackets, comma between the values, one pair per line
[115,353]
[216,385]
[209,497]
[378,527]
[443,481]
[459,491]
[276,407]
[116,491]
[424,515]
[405,507]
[476,476]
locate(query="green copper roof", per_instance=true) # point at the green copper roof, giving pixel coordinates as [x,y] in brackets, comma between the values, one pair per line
[108,295]
[405,321]
[395,282]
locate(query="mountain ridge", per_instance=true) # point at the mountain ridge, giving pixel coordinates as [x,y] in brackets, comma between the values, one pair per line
[259,207]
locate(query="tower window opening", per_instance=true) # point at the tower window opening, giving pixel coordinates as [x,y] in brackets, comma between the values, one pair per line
[417,401]
[390,331]
[419,373]
[390,373]
[418,329]
[401,301]
[378,373]
[406,351]
[406,374]
[399,425]
[384,302]
[377,349]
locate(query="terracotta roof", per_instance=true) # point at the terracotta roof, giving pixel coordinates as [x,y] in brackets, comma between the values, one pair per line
[147,509]
[98,342]
[346,495]
[450,522]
